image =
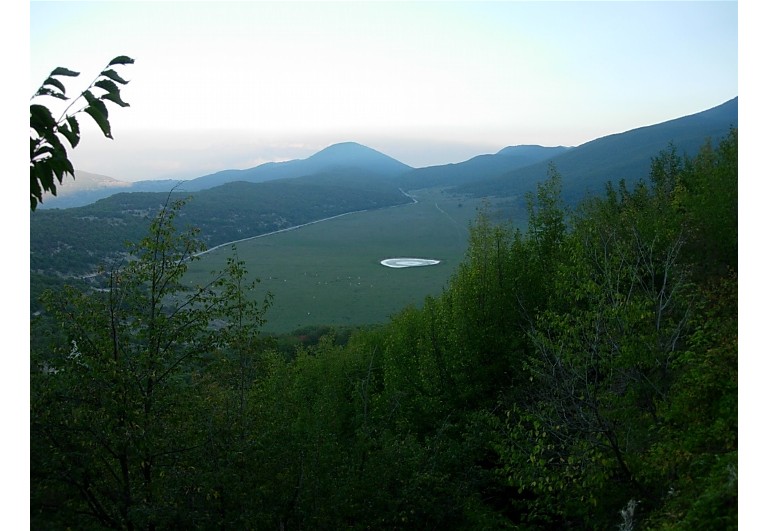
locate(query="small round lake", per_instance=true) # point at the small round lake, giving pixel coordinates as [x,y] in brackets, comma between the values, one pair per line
[408,262]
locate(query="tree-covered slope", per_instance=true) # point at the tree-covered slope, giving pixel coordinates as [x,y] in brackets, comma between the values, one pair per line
[586,168]
[478,168]
[76,240]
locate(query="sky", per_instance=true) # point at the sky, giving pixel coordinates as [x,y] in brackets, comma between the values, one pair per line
[219,85]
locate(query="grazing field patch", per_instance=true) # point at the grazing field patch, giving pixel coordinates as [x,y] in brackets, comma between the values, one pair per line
[330,273]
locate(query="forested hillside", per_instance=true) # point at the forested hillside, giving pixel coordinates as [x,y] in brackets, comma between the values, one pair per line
[75,241]
[579,375]
[624,156]
[479,168]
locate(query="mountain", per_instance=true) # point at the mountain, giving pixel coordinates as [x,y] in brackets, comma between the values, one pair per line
[75,241]
[585,169]
[346,159]
[512,171]
[85,181]
[87,188]
[343,156]
[478,168]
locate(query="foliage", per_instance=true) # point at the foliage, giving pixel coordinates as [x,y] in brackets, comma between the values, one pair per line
[619,372]
[48,157]
[709,199]
[579,375]
[108,407]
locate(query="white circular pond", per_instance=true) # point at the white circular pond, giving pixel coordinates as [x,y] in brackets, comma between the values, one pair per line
[408,262]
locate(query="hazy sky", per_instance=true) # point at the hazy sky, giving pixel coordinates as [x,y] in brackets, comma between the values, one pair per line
[234,84]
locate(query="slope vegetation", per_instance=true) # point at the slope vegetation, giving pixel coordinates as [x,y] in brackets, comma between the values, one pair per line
[76,240]
[627,156]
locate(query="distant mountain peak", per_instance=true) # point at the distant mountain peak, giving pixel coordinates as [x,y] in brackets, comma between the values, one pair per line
[352,154]
[85,181]
[351,151]
[345,145]
[341,157]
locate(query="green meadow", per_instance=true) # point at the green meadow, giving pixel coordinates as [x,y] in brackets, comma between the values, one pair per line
[329,273]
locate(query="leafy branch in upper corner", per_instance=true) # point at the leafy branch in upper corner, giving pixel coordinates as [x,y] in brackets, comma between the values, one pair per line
[47,154]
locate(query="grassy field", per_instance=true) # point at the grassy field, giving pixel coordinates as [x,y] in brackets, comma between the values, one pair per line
[329,273]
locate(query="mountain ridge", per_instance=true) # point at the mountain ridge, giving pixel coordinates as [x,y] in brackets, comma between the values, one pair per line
[588,167]
[509,171]
[481,166]
[72,239]
[343,155]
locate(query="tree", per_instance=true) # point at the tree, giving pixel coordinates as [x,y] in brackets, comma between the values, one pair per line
[116,432]
[634,358]
[709,199]
[47,154]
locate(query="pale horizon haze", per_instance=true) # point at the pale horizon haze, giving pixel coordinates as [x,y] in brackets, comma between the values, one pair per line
[220,85]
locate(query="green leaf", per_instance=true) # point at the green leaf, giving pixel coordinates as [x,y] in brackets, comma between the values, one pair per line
[75,128]
[121,60]
[64,130]
[95,104]
[54,141]
[35,192]
[61,71]
[72,136]
[42,91]
[114,76]
[38,153]
[89,97]
[33,142]
[113,92]
[44,176]
[100,119]
[114,97]
[56,83]
[40,119]
[61,165]
[108,85]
